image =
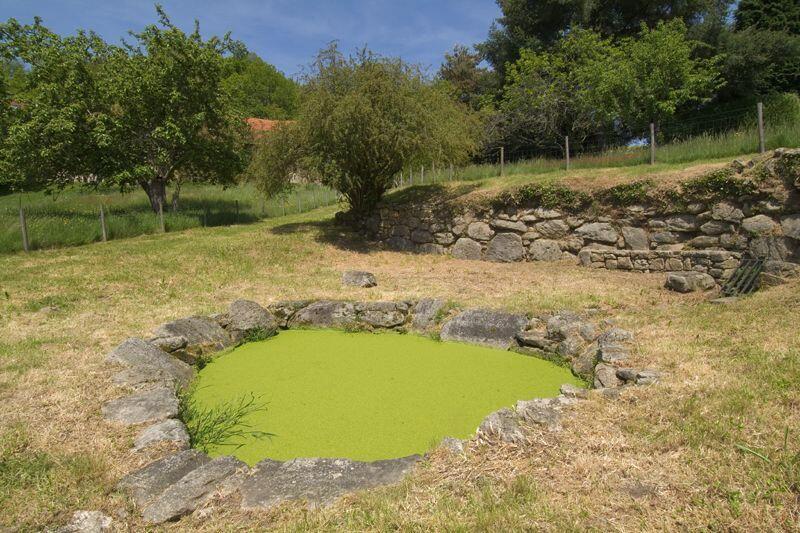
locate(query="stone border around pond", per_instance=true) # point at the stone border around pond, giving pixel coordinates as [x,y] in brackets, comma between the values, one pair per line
[181,482]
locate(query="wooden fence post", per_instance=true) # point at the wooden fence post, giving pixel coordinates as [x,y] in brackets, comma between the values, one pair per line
[762,145]
[422,174]
[652,143]
[103,229]
[566,148]
[502,160]
[23,226]
[161,217]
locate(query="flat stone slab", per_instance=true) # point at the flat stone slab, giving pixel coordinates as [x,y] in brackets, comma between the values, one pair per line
[318,481]
[485,327]
[148,406]
[150,481]
[173,431]
[689,281]
[245,316]
[201,333]
[359,278]
[221,476]
[382,314]
[147,363]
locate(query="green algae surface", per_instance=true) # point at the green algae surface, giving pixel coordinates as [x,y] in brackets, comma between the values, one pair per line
[366,396]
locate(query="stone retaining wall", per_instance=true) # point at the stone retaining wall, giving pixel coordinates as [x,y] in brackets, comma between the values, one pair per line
[709,237]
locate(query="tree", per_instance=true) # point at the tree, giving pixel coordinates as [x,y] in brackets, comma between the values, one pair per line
[560,92]
[361,120]
[657,74]
[759,63]
[258,89]
[772,15]
[469,83]
[53,136]
[147,114]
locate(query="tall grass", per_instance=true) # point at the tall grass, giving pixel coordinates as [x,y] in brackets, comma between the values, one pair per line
[72,217]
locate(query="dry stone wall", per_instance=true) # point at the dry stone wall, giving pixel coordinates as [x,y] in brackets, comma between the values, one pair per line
[708,237]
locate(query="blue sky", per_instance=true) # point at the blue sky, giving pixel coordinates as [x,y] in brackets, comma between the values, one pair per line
[286,33]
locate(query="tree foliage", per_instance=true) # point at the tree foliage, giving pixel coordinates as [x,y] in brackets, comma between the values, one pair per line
[469,83]
[772,15]
[258,89]
[147,113]
[361,120]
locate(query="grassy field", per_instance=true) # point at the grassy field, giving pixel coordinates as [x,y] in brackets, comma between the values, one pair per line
[320,389]
[713,447]
[72,217]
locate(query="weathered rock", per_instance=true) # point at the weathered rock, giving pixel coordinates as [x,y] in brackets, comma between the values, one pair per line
[246,317]
[773,248]
[614,336]
[421,236]
[716,227]
[319,482]
[682,223]
[598,231]
[540,412]
[541,212]
[480,231]
[505,248]
[220,476]
[544,250]
[465,248]
[552,229]
[382,314]
[535,339]
[325,314]
[647,377]
[760,225]
[605,376]
[583,365]
[452,445]
[791,226]
[149,482]
[727,212]
[613,353]
[87,522]
[284,311]
[635,238]
[563,324]
[148,406]
[172,431]
[358,278]
[572,391]
[571,346]
[508,225]
[148,364]
[425,313]
[689,281]
[203,334]
[169,344]
[503,424]
[483,326]
[432,249]
[665,237]
[704,241]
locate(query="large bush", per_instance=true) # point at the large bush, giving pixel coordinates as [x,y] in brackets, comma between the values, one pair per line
[361,120]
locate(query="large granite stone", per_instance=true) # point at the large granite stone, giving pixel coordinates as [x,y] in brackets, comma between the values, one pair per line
[480,231]
[552,229]
[791,226]
[425,312]
[221,476]
[483,326]
[689,281]
[148,364]
[544,250]
[149,482]
[382,314]
[359,278]
[87,522]
[318,482]
[324,314]
[635,238]
[505,248]
[148,406]
[465,248]
[598,231]
[247,317]
[503,424]
[202,333]
[760,225]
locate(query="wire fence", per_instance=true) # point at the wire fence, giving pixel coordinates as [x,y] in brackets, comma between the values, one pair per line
[35,220]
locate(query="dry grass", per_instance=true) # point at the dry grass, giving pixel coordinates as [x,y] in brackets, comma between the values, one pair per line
[660,458]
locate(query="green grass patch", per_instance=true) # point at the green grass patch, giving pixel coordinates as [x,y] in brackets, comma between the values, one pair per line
[366,396]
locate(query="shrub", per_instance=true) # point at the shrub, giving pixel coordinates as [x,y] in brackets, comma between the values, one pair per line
[719,184]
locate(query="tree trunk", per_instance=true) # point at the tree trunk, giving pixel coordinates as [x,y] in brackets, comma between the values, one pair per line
[156,190]
[176,193]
